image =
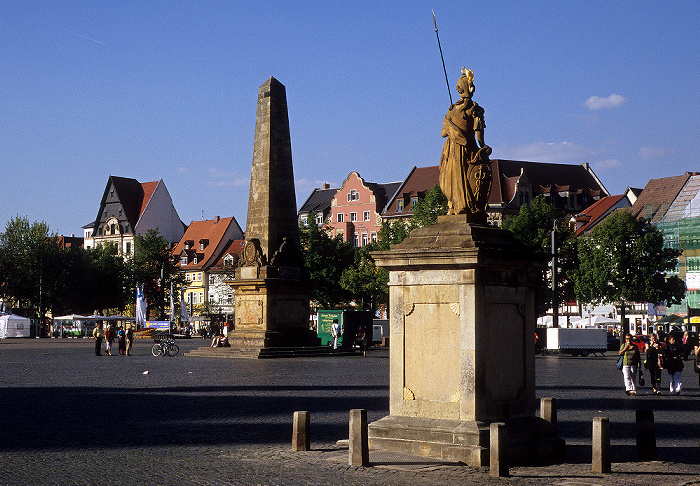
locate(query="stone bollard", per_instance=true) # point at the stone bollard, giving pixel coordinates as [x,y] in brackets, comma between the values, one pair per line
[646,436]
[301,438]
[358,444]
[498,450]
[601,445]
[548,410]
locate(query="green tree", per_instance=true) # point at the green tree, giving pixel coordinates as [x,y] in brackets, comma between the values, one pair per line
[27,261]
[622,261]
[425,213]
[428,208]
[105,280]
[325,259]
[154,266]
[366,282]
[533,227]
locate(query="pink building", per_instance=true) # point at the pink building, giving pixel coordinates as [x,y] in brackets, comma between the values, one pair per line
[357,207]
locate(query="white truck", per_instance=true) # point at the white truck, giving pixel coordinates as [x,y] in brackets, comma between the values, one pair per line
[577,342]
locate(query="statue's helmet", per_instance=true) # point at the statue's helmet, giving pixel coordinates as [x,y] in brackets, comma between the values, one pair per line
[465,84]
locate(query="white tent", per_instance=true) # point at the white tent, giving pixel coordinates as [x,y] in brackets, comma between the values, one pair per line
[14,326]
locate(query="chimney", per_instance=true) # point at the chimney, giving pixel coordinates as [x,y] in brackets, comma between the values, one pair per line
[216,219]
[326,185]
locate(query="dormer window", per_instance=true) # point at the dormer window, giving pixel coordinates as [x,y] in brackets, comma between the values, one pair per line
[194,260]
[353,195]
[399,205]
[183,260]
[203,244]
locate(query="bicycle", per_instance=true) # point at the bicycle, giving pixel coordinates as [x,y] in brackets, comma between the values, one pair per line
[165,346]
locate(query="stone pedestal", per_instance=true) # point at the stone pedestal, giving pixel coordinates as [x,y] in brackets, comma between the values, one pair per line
[462,317]
[270,311]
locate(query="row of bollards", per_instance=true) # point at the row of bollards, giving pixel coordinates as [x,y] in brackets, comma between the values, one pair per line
[358,439]
[358,442]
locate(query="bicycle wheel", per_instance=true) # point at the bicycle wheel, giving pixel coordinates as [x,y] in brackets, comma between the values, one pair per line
[173,349]
[156,350]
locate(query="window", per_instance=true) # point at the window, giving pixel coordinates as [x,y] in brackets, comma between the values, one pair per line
[365,215]
[201,246]
[183,261]
[199,277]
[319,219]
[187,275]
[201,297]
[194,260]
[128,248]
[414,201]
[399,205]
[355,240]
[373,237]
[364,239]
[353,216]
[353,195]
[341,217]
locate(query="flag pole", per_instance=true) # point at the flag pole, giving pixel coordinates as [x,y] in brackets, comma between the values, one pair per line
[441,57]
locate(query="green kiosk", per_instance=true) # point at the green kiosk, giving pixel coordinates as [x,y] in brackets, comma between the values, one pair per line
[350,322]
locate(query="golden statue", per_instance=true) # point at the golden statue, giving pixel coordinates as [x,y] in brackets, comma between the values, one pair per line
[465,169]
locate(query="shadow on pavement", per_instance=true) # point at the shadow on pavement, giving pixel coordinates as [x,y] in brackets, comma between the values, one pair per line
[84,417]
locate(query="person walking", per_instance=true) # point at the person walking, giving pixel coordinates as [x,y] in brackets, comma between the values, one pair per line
[129,339]
[685,346]
[109,336]
[630,363]
[121,337]
[652,362]
[673,362]
[335,332]
[98,334]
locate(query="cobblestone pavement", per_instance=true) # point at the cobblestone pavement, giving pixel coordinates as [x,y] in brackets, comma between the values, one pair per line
[69,417]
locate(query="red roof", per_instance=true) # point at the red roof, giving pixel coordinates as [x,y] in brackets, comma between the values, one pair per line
[209,234]
[596,211]
[148,189]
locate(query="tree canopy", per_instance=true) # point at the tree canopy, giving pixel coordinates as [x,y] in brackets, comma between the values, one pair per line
[533,227]
[325,259]
[623,260]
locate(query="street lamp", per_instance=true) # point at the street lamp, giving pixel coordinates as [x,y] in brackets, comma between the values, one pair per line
[555,292]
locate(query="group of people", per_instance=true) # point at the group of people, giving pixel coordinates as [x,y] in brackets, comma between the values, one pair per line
[124,337]
[669,357]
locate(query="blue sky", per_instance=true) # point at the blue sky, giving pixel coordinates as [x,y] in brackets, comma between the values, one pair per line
[168,90]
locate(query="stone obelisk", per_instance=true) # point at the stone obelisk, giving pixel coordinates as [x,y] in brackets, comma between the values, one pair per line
[272,302]
[272,213]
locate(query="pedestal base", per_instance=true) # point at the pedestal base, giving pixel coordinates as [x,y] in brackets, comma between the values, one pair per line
[530,438]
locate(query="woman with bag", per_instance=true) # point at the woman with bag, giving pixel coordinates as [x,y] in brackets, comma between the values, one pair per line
[630,362]
[673,362]
[653,363]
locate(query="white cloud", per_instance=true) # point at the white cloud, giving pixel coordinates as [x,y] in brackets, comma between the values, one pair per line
[654,152]
[598,103]
[545,152]
[220,178]
[607,164]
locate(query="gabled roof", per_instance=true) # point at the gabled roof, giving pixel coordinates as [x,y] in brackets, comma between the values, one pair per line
[319,201]
[544,177]
[234,247]
[597,211]
[132,195]
[658,195]
[419,180]
[383,192]
[214,230]
[685,205]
